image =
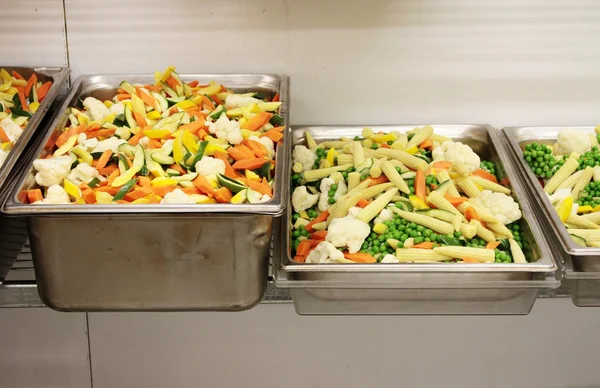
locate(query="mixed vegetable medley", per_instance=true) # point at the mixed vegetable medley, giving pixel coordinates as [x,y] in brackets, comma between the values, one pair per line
[569,172]
[168,142]
[20,98]
[401,197]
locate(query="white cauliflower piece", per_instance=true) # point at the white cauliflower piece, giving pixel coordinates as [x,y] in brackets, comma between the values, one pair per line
[86,143]
[569,141]
[384,215]
[12,130]
[457,152]
[348,231]
[264,198]
[177,196]
[389,258]
[574,209]
[144,141]
[52,171]
[96,108]
[238,100]
[226,129]
[112,143]
[83,173]
[304,156]
[326,184]
[209,165]
[324,253]
[353,211]
[501,205]
[302,199]
[3,156]
[268,143]
[117,109]
[55,195]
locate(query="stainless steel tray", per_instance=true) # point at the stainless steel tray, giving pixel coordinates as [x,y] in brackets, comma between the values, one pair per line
[13,231]
[105,87]
[586,259]
[161,257]
[420,288]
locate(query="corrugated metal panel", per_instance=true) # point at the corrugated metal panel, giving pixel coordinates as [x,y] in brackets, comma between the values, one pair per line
[33,33]
[381,61]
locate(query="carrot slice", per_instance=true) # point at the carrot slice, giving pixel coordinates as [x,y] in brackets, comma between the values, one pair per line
[492,244]
[276,98]
[154,144]
[207,101]
[469,260]
[144,181]
[3,136]
[135,139]
[303,248]
[92,127]
[320,218]
[178,168]
[21,93]
[140,120]
[300,259]
[148,100]
[104,158]
[319,235]
[17,75]
[258,121]
[108,189]
[113,175]
[377,181]
[240,153]
[43,90]
[424,245]
[427,144]
[258,148]
[101,133]
[138,193]
[273,135]
[363,203]
[442,165]
[106,171]
[360,257]
[249,164]
[35,195]
[223,195]
[123,96]
[204,186]
[420,190]
[260,187]
[161,191]
[194,126]
[229,171]
[471,214]
[485,175]
[455,201]
[30,83]
[89,196]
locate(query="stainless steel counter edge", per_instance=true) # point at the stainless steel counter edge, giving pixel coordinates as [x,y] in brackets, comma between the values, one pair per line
[13,206]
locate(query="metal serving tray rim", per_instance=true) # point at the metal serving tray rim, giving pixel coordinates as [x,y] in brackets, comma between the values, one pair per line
[546,264]
[275,207]
[59,77]
[557,226]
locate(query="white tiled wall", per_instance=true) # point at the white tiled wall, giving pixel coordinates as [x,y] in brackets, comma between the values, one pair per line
[503,62]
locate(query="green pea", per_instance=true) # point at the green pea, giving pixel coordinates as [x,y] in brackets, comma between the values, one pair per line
[301,227]
[305,233]
[397,235]
[374,146]
[375,249]
[295,216]
[331,193]
[381,238]
[418,240]
[331,201]
[404,237]
[296,233]
[457,234]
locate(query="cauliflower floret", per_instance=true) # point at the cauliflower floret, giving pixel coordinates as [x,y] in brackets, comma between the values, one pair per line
[209,165]
[83,173]
[302,199]
[348,231]
[384,215]
[326,184]
[12,130]
[86,143]
[457,152]
[389,258]
[268,143]
[501,205]
[55,195]
[304,156]
[3,156]
[569,141]
[353,211]
[177,196]
[52,171]
[96,108]
[324,253]
[226,129]
[112,143]
[264,198]
[144,142]
[117,108]
[237,101]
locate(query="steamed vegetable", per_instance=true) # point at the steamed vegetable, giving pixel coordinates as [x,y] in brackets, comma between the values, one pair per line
[397,198]
[19,100]
[570,174]
[167,142]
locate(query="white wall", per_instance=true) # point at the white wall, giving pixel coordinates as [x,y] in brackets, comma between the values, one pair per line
[503,62]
